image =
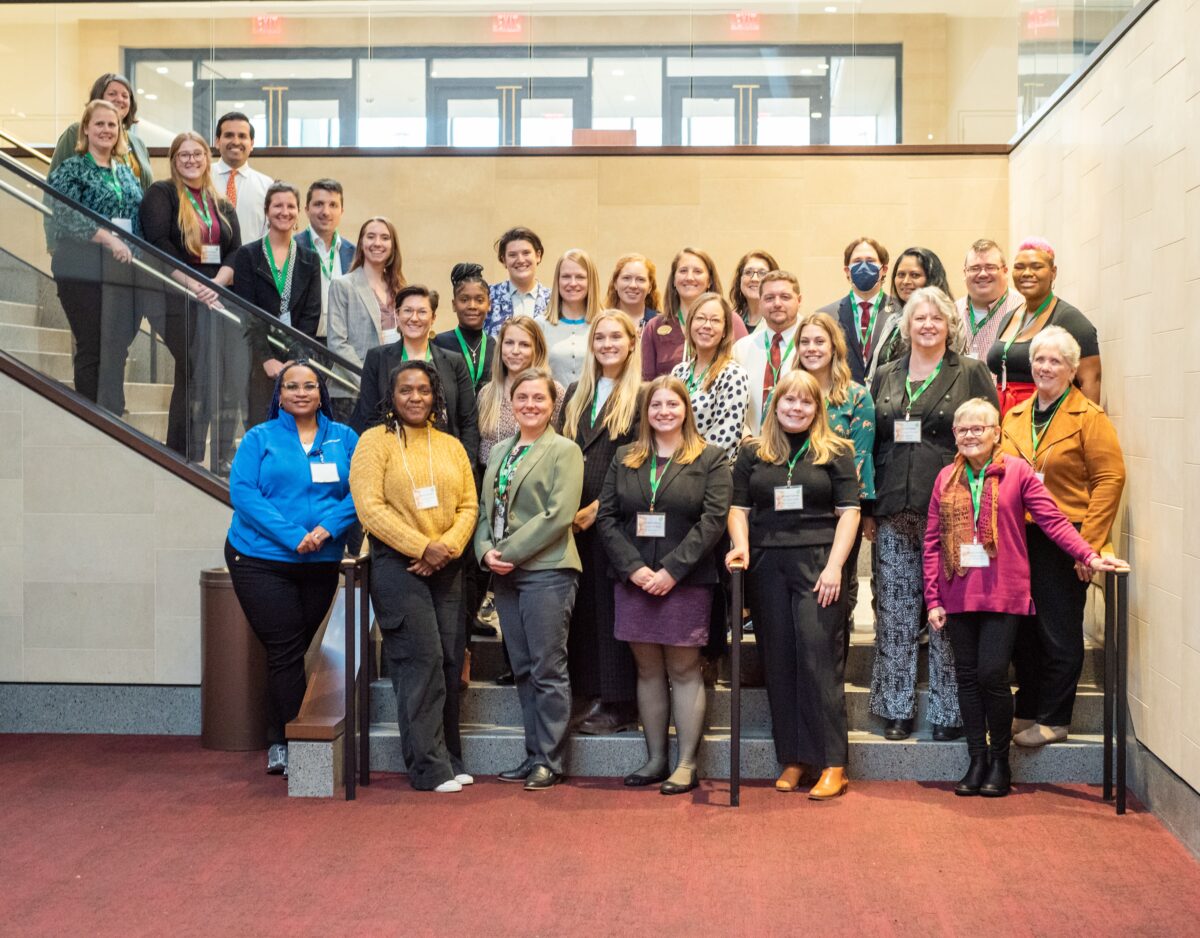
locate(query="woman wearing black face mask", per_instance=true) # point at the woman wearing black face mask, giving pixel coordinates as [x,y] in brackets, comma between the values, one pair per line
[868,316]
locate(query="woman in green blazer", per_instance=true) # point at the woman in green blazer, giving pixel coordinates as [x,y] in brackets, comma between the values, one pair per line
[530,494]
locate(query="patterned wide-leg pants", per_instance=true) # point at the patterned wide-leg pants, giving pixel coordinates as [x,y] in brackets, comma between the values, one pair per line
[898,625]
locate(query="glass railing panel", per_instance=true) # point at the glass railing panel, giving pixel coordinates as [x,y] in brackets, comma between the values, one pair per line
[117,323]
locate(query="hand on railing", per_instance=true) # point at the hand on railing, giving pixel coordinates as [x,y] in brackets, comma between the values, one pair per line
[1101,564]
[737,559]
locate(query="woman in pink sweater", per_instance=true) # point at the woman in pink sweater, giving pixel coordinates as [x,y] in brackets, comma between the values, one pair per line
[977,579]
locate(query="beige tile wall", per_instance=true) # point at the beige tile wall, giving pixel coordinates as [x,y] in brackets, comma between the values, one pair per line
[1112,178]
[100,567]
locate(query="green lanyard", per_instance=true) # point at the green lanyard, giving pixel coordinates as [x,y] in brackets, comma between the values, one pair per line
[404,352]
[1038,434]
[787,352]
[1022,327]
[327,266]
[680,317]
[976,326]
[693,383]
[792,462]
[201,210]
[474,366]
[596,405]
[655,478]
[976,485]
[508,469]
[914,395]
[865,337]
[110,179]
[279,276]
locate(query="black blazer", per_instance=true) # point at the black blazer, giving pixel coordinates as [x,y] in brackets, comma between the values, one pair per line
[252,281]
[884,339]
[598,448]
[449,342]
[461,420]
[695,499]
[160,226]
[904,472]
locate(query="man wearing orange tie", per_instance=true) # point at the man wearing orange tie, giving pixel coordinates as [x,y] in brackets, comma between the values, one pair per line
[245,188]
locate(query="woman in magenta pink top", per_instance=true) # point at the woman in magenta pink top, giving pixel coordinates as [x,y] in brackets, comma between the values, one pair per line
[977,579]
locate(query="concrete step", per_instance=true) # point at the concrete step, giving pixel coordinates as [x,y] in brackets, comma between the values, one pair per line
[18,314]
[14,338]
[151,423]
[487,661]
[55,365]
[143,398]
[488,704]
[488,750]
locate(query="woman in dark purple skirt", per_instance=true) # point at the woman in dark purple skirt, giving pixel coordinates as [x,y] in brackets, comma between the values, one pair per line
[662,511]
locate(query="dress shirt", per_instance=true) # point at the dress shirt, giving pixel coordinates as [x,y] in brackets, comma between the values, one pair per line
[252,189]
[979,342]
[752,353]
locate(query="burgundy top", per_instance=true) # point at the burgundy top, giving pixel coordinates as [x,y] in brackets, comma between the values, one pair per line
[1003,586]
[662,344]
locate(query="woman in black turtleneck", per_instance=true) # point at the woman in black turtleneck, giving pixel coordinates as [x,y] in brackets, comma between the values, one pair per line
[471,304]
[793,521]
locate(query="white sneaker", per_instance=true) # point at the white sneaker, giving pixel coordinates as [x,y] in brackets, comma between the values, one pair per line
[450,785]
[464,779]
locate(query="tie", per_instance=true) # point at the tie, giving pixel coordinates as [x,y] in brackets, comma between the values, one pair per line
[231,188]
[771,372]
[864,323]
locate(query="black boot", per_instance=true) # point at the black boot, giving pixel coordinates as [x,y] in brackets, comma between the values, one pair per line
[971,782]
[999,779]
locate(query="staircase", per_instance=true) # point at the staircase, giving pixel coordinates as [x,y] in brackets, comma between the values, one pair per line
[493,738]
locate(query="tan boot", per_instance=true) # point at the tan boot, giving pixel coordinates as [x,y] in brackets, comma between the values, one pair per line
[790,778]
[1039,735]
[833,783]
[1020,725]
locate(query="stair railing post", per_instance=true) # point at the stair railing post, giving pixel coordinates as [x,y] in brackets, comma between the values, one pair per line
[349,772]
[735,704]
[364,669]
[1110,675]
[1122,703]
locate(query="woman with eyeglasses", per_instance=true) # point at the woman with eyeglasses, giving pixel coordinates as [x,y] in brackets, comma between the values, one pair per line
[1033,273]
[747,281]
[185,217]
[915,399]
[977,579]
[414,488]
[290,489]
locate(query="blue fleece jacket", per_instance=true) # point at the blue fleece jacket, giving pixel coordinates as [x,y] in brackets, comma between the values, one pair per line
[275,500]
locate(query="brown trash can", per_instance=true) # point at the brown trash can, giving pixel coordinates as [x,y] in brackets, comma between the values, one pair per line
[233,670]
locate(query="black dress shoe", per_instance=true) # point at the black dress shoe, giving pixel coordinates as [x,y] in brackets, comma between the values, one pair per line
[483,629]
[998,780]
[946,734]
[672,788]
[607,719]
[519,774]
[580,714]
[976,772]
[506,679]
[541,778]
[636,780]
[898,729]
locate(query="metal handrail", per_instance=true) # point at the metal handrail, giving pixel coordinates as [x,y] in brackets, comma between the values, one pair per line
[737,599]
[1116,682]
[356,735]
[21,145]
[149,250]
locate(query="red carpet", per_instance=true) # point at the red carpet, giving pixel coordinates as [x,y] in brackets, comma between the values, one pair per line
[154,836]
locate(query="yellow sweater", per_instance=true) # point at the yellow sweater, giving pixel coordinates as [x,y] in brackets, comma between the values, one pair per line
[383,489]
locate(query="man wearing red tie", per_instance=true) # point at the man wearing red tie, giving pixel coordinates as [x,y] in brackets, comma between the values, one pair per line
[868,316]
[769,352]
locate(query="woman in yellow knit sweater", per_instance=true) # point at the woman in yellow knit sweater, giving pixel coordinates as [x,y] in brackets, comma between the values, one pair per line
[415,494]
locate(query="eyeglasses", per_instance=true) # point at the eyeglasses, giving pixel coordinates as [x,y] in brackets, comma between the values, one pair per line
[976,269]
[308,386]
[707,321]
[190,157]
[751,274]
[964,432]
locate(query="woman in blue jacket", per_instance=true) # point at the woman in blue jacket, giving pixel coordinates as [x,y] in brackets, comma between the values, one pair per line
[290,488]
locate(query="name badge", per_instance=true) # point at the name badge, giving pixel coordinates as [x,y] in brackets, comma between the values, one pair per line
[210,254]
[651,524]
[426,496]
[789,497]
[973,555]
[1041,477]
[125,224]
[324,471]
[498,527]
[908,431]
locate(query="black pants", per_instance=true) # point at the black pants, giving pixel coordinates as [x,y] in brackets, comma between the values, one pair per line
[801,647]
[285,604]
[1048,655]
[850,590]
[600,665]
[983,645]
[420,619]
[103,324]
[187,421]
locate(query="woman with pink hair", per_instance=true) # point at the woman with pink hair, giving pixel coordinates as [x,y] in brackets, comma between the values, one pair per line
[1034,272]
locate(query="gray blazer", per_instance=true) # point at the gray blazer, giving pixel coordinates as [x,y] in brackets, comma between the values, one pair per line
[353,317]
[543,497]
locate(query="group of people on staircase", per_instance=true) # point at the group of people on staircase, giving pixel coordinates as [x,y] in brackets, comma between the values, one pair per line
[607,466]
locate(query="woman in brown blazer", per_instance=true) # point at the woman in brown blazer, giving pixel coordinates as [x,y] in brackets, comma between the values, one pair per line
[1073,447]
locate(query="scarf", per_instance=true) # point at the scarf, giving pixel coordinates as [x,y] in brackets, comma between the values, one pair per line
[956,515]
